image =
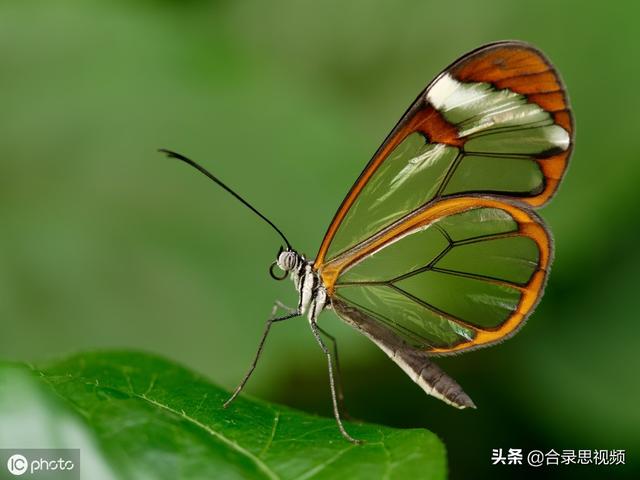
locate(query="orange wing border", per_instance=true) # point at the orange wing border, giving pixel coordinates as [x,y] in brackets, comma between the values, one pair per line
[529,225]
[515,65]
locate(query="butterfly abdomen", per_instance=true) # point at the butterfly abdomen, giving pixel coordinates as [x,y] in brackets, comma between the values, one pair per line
[433,380]
[415,363]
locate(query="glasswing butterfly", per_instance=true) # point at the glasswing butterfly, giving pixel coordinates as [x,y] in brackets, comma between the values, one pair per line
[436,248]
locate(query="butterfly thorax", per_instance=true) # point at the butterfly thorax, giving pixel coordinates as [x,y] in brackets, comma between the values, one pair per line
[312,294]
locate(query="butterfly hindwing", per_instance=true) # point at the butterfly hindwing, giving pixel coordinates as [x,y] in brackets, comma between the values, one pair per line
[460,273]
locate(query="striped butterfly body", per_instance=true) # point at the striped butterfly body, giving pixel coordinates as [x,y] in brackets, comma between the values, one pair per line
[436,249]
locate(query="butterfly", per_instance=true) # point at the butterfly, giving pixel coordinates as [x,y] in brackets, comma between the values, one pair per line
[436,249]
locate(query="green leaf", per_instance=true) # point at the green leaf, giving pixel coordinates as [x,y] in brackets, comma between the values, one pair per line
[136,416]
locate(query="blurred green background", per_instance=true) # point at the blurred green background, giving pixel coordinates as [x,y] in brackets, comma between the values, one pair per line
[105,243]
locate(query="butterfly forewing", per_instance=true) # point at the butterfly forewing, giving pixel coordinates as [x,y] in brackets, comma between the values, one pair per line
[495,122]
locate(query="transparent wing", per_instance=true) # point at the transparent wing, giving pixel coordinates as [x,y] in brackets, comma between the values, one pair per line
[415,363]
[495,122]
[461,273]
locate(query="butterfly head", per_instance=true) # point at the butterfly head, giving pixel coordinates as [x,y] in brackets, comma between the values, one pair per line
[286,260]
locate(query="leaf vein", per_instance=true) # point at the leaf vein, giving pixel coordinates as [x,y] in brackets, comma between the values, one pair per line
[318,468]
[276,421]
[230,443]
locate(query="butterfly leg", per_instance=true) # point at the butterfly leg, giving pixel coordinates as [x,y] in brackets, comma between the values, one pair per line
[336,411]
[339,387]
[284,307]
[273,319]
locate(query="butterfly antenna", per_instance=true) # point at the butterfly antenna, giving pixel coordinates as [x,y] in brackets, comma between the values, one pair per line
[206,172]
